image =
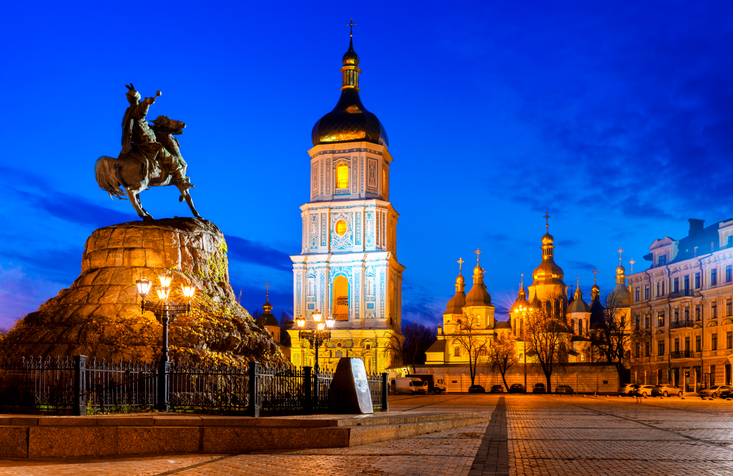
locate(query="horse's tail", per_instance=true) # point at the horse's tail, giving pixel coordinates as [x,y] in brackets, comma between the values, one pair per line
[104,171]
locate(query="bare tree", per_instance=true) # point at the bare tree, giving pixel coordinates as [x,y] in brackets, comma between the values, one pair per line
[612,337]
[472,337]
[503,354]
[548,337]
[417,339]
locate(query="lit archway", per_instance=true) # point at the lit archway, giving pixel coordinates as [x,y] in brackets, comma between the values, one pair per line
[340,294]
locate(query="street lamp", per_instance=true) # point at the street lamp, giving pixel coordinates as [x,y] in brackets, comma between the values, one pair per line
[317,336]
[166,312]
[524,310]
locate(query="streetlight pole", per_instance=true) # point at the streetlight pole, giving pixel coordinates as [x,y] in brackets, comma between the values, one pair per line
[316,337]
[166,312]
[523,312]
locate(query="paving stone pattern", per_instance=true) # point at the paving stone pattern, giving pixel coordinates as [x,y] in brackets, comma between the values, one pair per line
[528,435]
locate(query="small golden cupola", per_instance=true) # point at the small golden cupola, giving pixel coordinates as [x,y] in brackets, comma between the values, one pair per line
[578,305]
[349,121]
[478,296]
[521,302]
[620,296]
[456,303]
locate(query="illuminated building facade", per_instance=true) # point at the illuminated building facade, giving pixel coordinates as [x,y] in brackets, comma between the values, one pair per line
[348,264]
[682,309]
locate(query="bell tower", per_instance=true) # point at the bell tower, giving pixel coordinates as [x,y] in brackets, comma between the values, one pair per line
[348,264]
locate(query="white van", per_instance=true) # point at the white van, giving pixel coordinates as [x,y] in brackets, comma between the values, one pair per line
[411,385]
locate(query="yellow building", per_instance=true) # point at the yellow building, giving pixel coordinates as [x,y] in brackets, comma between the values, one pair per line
[348,265]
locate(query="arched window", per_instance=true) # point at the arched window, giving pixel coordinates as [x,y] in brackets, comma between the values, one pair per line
[342,176]
[457,351]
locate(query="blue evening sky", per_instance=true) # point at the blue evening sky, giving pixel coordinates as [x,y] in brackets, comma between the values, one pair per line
[615,117]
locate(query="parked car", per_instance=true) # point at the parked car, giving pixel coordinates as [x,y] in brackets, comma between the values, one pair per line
[563,389]
[643,390]
[497,389]
[476,389]
[626,388]
[440,385]
[666,390]
[539,388]
[517,388]
[715,391]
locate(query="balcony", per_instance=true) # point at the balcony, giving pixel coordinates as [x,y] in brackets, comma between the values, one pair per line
[684,354]
[681,324]
[682,293]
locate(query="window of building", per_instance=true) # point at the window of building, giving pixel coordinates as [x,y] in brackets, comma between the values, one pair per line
[687,283]
[638,322]
[728,274]
[698,343]
[664,286]
[660,319]
[637,294]
[342,176]
[676,284]
[660,347]
[729,307]
[714,341]
[687,314]
[659,289]
[729,340]
[341,227]
[713,277]
[647,319]
[676,316]
[698,311]
[647,350]
[687,344]
[637,350]
[714,310]
[677,345]
[646,291]
[697,280]
[729,242]
[662,260]
[457,351]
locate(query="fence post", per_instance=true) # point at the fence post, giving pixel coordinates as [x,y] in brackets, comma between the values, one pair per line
[80,367]
[307,389]
[385,392]
[254,408]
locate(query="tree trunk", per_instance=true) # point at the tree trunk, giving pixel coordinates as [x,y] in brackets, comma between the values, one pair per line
[548,375]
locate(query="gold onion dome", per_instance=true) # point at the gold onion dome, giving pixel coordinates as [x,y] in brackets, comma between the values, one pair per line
[349,121]
[478,296]
[578,305]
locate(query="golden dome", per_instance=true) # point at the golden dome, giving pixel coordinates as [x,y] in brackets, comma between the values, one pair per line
[620,270]
[548,239]
[460,279]
[349,121]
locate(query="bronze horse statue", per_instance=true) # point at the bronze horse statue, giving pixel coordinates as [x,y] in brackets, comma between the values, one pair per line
[133,175]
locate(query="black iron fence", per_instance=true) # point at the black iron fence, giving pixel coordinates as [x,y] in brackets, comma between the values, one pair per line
[80,387]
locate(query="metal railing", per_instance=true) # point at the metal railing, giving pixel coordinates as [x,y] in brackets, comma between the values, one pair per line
[80,387]
[681,324]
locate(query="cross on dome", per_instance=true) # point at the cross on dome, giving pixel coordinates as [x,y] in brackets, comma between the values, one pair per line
[595,276]
[631,262]
[620,251]
[267,285]
[547,221]
[460,264]
[351,28]
[478,252]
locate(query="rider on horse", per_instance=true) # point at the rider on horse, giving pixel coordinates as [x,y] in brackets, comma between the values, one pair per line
[139,140]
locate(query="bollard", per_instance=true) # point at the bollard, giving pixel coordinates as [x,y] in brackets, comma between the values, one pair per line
[307,390]
[385,392]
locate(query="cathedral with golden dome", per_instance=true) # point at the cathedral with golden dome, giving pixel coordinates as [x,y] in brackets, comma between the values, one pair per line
[547,293]
[348,267]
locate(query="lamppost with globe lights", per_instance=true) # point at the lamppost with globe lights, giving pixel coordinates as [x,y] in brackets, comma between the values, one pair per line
[317,336]
[524,310]
[166,312]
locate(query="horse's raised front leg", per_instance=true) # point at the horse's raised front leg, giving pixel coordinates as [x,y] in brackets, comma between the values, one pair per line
[135,201]
[187,196]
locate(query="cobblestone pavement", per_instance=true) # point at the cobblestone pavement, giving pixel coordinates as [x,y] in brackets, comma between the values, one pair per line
[529,435]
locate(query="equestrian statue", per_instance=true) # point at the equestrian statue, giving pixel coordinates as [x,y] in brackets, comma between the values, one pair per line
[150,157]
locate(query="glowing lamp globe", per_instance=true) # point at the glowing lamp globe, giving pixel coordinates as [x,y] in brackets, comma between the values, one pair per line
[143,287]
[301,322]
[321,325]
[188,291]
[330,321]
[317,316]
[165,280]
[163,293]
